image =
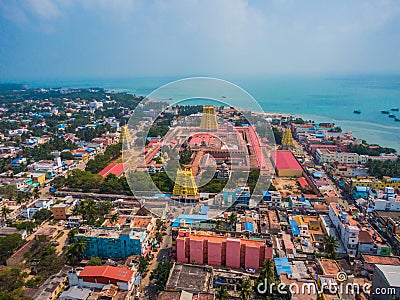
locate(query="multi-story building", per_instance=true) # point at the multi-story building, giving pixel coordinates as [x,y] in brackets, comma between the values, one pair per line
[388,201]
[29,210]
[375,183]
[60,211]
[272,198]
[328,156]
[224,251]
[114,244]
[346,227]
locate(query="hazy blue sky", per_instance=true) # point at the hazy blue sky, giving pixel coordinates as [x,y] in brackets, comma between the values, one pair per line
[117,38]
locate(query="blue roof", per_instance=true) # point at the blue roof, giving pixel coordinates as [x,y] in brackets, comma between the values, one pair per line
[395,179]
[295,228]
[90,149]
[189,219]
[248,226]
[266,193]
[282,265]
[16,160]
[318,174]
[162,195]
[78,155]
[204,209]
[361,189]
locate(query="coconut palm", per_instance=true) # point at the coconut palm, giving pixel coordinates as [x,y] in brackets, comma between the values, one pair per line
[114,218]
[246,289]
[222,293]
[232,219]
[36,194]
[330,245]
[4,212]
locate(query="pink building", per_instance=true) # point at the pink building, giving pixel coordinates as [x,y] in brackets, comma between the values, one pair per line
[221,251]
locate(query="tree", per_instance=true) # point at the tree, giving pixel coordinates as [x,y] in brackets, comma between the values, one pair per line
[330,245]
[8,245]
[232,219]
[75,251]
[114,219]
[161,273]
[222,293]
[36,193]
[42,215]
[95,261]
[9,191]
[245,289]
[4,212]
[143,264]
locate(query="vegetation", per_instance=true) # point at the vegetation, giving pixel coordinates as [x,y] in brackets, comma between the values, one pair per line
[42,215]
[330,246]
[384,168]
[92,212]
[143,265]
[222,293]
[43,151]
[277,135]
[372,150]
[246,289]
[95,261]
[11,281]
[8,245]
[89,134]
[101,161]
[161,273]
[75,251]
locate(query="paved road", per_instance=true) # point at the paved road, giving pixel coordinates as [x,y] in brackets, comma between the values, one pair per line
[147,289]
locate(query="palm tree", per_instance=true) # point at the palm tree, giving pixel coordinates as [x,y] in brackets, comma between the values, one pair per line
[81,245]
[36,194]
[114,218]
[222,293]
[246,289]
[4,212]
[330,245]
[232,219]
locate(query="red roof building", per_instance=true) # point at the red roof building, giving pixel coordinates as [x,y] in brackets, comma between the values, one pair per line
[286,164]
[116,169]
[98,276]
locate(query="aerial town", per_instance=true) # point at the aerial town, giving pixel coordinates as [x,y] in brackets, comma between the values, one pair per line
[316,217]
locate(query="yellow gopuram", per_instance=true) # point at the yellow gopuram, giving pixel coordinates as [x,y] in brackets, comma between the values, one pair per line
[125,136]
[185,186]
[287,139]
[208,119]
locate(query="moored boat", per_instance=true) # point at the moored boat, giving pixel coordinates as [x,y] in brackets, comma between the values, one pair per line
[394,109]
[386,112]
[357,111]
[392,116]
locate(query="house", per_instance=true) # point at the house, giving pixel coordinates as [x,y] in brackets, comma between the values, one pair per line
[29,210]
[60,211]
[75,293]
[99,276]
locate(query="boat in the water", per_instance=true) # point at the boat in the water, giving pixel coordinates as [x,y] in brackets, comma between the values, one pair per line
[397,119]
[394,109]
[357,111]
[385,112]
[392,116]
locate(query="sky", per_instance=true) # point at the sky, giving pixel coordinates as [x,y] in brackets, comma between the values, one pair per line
[126,38]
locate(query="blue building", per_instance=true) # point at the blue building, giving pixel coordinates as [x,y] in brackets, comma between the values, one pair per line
[114,244]
[361,192]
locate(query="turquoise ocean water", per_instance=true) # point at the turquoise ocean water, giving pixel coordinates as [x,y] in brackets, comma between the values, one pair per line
[323,99]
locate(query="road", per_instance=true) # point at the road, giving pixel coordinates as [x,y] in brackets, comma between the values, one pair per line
[162,254]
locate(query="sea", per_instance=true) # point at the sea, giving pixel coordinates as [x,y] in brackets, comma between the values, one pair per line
[320,98]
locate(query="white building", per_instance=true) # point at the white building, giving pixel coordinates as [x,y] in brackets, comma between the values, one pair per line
[30,210]
[327,156]
[346,227]
[387,201]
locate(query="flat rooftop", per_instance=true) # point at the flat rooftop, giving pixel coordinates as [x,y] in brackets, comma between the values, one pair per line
[189,278]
